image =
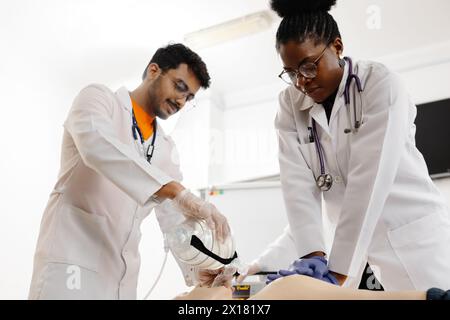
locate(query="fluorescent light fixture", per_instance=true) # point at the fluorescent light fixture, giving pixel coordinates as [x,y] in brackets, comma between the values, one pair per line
[230,30]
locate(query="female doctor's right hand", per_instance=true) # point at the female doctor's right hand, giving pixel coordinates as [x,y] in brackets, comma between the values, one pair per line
[193,207]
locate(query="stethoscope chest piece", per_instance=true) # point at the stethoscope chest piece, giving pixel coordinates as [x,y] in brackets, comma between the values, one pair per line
[324,182]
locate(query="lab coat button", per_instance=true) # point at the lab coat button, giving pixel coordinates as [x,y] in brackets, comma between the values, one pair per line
[337,179]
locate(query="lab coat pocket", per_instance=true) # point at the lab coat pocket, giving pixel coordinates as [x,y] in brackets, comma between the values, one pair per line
[79,238]
[423,249]
[71,282]
[309,154]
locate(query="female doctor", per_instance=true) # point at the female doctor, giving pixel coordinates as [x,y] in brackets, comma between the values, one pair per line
[346,137]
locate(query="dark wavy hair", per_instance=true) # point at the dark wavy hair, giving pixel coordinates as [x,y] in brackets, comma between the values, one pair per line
[305,19]
[171,56]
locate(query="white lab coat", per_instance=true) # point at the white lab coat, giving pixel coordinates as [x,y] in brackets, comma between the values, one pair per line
[90,230]
[383,204]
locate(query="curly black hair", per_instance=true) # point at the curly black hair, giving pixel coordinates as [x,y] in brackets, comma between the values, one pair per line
[305,19]
[171,56]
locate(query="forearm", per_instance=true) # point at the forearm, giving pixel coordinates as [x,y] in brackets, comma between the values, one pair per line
[339,277]
[170,190]
[314,254]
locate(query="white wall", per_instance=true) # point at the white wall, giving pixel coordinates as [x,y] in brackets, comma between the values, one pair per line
[248,144]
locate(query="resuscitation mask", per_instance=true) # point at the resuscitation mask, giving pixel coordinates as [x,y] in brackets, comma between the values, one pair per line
[194,243]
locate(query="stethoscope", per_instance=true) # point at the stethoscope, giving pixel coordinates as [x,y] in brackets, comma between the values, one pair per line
[151,147]
[325,180]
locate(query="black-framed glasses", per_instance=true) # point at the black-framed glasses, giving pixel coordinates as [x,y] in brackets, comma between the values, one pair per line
[307,70]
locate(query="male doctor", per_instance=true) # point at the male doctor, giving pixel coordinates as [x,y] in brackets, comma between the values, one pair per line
[116,166]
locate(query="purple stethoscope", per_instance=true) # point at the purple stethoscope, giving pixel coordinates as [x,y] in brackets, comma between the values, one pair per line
[325,180]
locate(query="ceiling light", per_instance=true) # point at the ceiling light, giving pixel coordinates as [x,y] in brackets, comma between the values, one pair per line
[230,30]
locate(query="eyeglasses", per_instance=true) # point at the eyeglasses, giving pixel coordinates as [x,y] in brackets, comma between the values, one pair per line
[307,70]
[183,90]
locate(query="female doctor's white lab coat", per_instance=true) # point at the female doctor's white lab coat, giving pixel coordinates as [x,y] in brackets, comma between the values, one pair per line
[90,231]
[383,204]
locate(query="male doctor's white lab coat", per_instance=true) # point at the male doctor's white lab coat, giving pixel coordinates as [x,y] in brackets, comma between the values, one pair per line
[90,231]
[383,204]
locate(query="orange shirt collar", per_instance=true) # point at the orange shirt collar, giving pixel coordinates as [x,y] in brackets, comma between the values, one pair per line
[143,119]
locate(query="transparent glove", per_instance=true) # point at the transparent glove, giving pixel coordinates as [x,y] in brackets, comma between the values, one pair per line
[315,267]
[206,277]
[222,276]
[252,269]
[193,207]
[225,277]
[216,278]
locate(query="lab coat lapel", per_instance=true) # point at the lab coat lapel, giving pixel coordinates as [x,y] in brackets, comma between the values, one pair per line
[124,98]
[125,102]
[340,101]
[317,112]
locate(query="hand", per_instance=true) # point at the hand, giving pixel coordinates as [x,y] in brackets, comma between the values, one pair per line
[206,277]
[253,269]
[224,278]
[194,207]
[216,278]
[315,267]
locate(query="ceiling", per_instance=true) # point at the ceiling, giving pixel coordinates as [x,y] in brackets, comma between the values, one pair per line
[74,42]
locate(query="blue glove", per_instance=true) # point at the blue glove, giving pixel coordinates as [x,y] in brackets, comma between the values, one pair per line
[315,267]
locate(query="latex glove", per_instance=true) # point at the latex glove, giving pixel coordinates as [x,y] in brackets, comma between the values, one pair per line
[225,277]
[193,207]
[206,277]
[252,269]
[315,267]
[216,278]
